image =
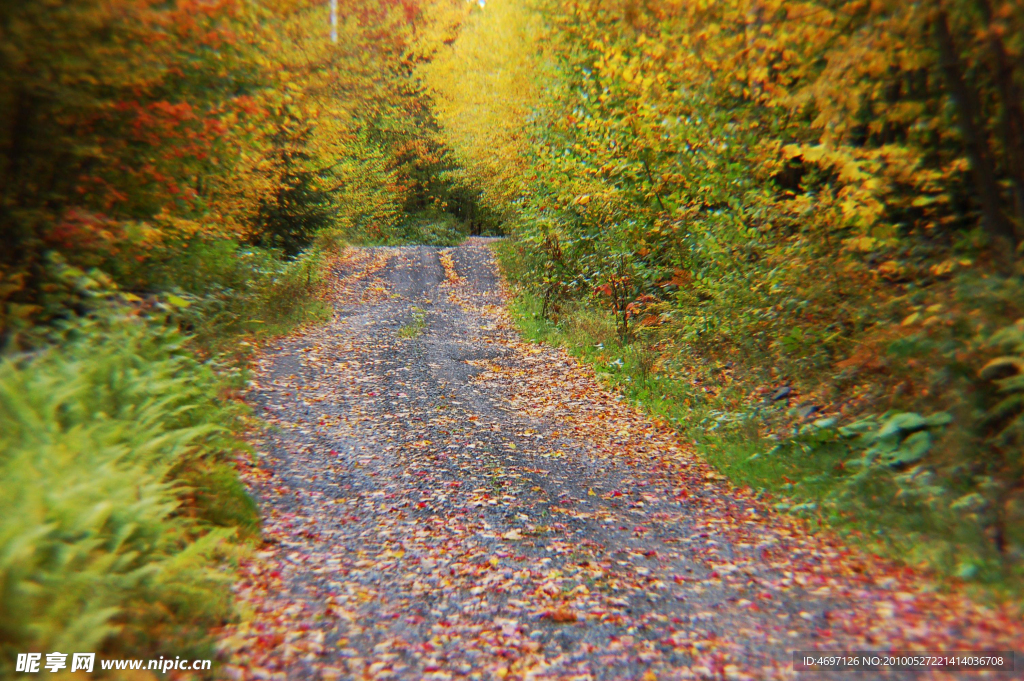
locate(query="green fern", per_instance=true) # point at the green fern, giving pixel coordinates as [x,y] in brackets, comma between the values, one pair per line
[1006,373]
[102,439]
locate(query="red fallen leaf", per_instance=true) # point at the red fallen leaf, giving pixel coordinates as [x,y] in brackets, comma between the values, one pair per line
[421,504]
[561,615]
[270,640]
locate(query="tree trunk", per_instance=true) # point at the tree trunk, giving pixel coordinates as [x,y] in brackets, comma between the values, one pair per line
[978,153]
[1011,119]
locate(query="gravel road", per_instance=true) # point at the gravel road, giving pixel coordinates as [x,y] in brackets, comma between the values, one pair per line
[443,500]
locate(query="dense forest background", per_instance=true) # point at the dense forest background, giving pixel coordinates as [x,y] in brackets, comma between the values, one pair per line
[791,229]
[200,147]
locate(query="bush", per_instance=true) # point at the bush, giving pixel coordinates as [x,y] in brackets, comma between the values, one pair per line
[234,290]
[113,444]
[430,227]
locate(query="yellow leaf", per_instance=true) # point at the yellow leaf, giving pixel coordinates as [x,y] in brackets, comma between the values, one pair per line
[177,301]
[889,268]
[863,244]
[850,171]
[813,154]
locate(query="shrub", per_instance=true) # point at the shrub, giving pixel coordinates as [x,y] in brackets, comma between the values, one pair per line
[112,444]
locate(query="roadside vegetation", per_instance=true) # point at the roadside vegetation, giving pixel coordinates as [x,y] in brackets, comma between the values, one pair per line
[121,505]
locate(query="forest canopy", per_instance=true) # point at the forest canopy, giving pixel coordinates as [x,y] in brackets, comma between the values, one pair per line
[141,139]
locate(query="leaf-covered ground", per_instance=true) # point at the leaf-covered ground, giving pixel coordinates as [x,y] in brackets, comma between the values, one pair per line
[443,500]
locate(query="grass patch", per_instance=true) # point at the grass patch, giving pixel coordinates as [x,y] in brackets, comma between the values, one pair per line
[415,327]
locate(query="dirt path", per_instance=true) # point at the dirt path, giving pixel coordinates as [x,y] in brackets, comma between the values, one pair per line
[445,501]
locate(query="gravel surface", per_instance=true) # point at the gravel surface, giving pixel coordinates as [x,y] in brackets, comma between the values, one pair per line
[443,500]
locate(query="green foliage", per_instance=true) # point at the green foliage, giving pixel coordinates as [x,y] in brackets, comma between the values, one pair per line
[415,327]
[216,290]
[429,227]
[894,440]
[119,507]
[237,291]
[1005,420]
[302,204]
